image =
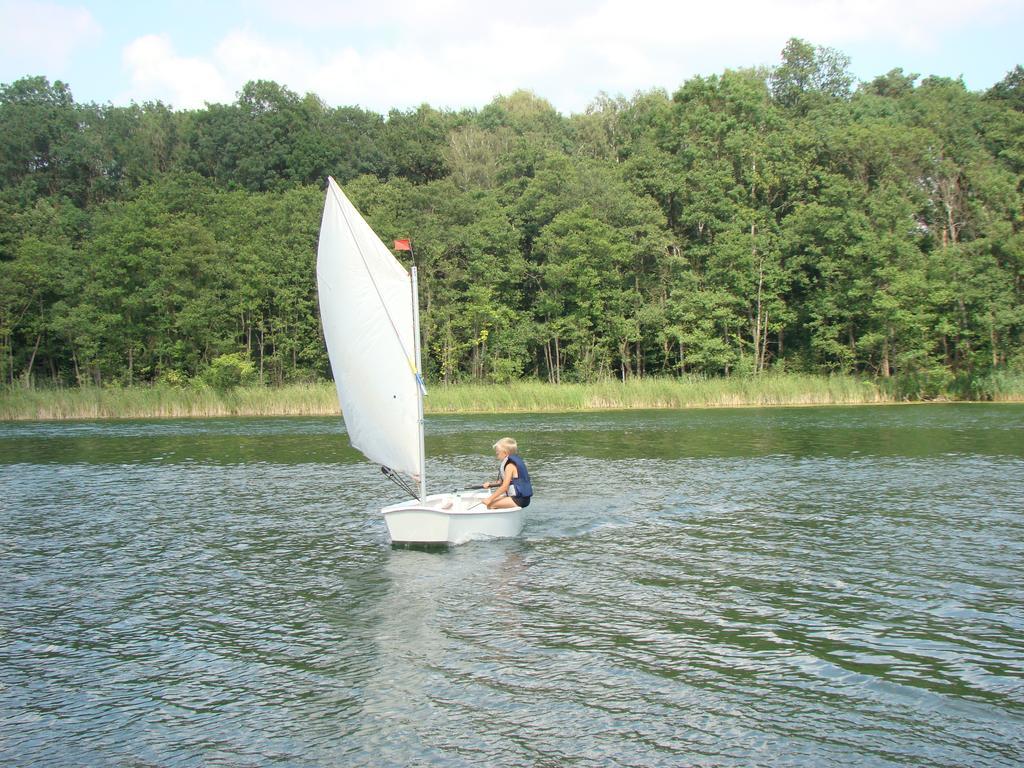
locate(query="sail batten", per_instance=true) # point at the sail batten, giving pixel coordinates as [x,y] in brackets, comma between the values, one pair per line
[369,323]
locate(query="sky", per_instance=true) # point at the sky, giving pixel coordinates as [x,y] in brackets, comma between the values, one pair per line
[398,54]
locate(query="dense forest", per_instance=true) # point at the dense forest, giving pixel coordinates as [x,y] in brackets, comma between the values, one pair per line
[762,219]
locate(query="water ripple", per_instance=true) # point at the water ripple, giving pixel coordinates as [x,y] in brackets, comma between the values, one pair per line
[833,586]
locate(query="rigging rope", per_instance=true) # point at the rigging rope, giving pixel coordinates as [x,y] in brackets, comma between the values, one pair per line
[398,480]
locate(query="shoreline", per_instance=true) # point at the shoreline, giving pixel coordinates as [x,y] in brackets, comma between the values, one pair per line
[319,399]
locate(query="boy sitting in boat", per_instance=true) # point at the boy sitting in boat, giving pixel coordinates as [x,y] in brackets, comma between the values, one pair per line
[514,488]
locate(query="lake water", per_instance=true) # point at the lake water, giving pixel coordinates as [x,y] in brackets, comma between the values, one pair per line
[806,587]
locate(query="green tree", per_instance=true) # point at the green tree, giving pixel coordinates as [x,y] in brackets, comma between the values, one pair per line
[810,75]
[1010,90]
[38,123]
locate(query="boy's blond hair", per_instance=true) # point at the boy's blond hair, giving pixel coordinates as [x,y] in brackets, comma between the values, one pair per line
[506,444]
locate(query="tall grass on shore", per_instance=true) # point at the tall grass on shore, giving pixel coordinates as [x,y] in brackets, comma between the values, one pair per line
[1003,387]
[320,399]
[687,392]
[166,402]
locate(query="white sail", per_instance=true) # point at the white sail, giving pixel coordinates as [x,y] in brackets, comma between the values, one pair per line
[366,307]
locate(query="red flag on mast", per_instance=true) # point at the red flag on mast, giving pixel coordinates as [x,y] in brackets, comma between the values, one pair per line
[403,245]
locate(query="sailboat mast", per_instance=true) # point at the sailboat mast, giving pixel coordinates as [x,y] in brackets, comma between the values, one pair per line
[420,386]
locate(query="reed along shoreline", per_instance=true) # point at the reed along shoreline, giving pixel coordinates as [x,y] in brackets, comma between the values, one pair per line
[320,399]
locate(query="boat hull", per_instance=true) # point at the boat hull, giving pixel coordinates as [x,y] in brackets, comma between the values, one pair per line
[450,518]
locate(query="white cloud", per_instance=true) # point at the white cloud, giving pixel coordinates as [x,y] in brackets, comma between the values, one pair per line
[400,53]
[828,22]
[657,22]
[243,56]
[157,72]
[414,18]
[42,36]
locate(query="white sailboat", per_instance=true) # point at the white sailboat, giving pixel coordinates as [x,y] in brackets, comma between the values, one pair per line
[369,308]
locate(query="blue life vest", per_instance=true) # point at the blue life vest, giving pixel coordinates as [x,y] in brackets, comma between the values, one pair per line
[520,486]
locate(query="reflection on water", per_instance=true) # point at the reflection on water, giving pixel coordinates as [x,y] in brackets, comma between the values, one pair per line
[778,587]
